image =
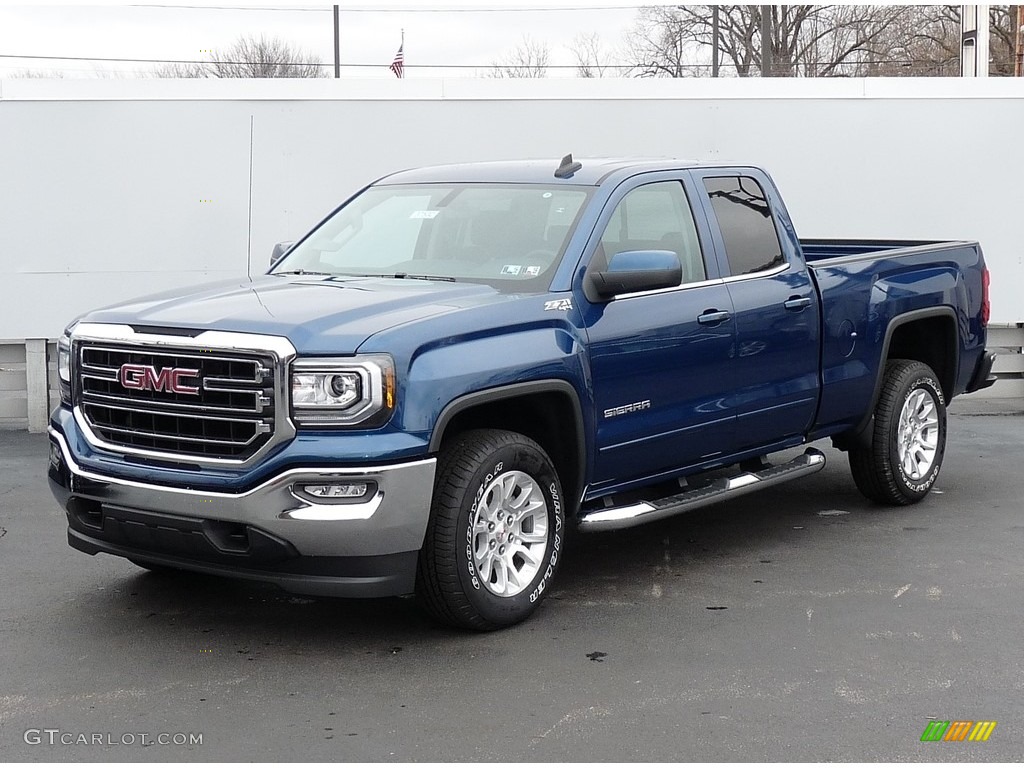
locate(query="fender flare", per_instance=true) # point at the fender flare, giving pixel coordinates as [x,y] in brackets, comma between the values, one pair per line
[509,392]
[862,433]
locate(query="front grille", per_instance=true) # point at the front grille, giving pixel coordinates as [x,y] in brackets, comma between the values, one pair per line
[231,416]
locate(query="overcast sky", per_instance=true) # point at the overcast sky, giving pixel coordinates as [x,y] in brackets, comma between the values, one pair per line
[466,33]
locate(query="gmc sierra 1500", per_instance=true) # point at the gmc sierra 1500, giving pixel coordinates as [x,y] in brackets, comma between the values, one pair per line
[461,363]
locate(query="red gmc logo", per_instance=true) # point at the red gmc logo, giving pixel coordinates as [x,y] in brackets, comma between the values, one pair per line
[166,379]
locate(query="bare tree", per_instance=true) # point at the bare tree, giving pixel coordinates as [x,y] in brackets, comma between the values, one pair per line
[180,70]
[33,74]
[528,59]
[591,56]
[1002,39]
[926,41]
[815,40]
[664,43]
[805,40]
[251,57]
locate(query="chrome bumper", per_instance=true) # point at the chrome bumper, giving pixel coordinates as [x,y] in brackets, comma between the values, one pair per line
[393,520]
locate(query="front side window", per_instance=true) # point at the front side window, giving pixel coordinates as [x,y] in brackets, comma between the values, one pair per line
[654,217]
[745,219]
[510,236]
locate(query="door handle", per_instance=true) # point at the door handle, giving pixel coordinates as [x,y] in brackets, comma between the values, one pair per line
[797,303]
[713,317]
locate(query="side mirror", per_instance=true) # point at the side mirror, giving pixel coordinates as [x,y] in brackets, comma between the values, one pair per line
[280,250]
[634,271]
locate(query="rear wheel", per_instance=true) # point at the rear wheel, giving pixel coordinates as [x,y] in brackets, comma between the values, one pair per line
[908,439]
[495,534]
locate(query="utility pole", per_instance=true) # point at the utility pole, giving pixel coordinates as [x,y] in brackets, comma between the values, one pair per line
[337,45]
[1019,67]
[766,41]
[974,41]
[714,42]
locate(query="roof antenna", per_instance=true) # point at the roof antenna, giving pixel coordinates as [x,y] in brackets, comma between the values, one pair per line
[567,168]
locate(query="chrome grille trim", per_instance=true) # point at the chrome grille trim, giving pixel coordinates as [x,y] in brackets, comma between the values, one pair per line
[203,440]
[184,408]
[251,432]
[169,353]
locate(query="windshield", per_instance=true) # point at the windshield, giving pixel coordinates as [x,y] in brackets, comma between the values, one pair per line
[510,236]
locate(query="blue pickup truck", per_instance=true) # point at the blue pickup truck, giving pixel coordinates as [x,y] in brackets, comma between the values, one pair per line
[462,365]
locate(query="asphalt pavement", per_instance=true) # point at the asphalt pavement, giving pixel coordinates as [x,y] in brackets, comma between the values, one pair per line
[799,623]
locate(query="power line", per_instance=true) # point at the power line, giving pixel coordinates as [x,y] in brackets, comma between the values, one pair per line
[696,70]
[284,64]
[681,67]
[148,61]
[233,8]
[343,9]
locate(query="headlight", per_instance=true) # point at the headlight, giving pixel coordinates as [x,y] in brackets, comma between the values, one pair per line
[64,368]
[331,390]
[343,391]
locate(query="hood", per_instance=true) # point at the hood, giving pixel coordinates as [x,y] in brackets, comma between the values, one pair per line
[318,314]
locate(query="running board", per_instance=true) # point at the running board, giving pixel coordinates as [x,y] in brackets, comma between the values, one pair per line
[630,515]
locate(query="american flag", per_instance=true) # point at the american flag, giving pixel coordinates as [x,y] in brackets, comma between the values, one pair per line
[398,65]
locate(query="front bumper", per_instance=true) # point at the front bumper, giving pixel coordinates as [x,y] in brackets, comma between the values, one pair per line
[271,533]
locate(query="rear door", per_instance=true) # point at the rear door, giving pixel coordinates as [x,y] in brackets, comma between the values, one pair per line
[659,359]
[774,373]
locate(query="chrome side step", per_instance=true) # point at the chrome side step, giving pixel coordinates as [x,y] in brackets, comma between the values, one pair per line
[630,515]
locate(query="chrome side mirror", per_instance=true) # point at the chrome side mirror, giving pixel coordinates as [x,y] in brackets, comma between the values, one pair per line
[635,271]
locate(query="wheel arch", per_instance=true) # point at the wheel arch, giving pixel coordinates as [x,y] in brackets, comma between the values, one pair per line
[927,335]
[547,411]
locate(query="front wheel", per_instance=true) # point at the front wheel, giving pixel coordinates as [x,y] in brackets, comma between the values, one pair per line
[495,535]
[909,437]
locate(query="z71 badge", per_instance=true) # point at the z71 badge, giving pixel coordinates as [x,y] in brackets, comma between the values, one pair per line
[558,305]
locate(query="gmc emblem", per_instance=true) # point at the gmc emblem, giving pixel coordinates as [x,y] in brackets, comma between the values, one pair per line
[134,376]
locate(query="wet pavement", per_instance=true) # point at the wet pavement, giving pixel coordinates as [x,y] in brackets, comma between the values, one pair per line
[799,623]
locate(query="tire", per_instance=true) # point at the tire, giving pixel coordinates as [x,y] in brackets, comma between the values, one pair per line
[477,571]
[908,439]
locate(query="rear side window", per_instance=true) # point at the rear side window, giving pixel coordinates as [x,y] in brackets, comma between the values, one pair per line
[745,218]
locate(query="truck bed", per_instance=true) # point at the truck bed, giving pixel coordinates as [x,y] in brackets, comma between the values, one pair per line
[864,285]
[817,250]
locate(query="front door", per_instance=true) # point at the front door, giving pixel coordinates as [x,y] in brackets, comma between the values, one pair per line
[659,359]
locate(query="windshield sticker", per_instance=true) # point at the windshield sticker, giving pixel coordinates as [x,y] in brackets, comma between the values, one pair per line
[511,269]
[532,271]
[423,214]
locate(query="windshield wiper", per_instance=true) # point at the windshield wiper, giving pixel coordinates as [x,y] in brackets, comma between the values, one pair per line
[407,275]
[394,275]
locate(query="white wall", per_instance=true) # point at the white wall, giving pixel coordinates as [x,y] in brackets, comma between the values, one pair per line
[111,189]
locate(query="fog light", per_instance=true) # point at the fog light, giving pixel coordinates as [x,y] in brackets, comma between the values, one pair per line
[348,491]
[337,492]
[55,456]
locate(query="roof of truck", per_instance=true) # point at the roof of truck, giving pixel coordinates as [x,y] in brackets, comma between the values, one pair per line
[593,172]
